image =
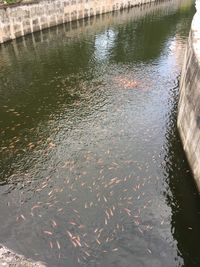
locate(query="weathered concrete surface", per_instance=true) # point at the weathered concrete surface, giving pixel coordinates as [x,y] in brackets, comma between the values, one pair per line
[189,102]
[18,20]
[9,258]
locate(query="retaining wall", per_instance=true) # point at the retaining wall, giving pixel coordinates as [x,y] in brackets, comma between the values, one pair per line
[20,19]
[189,102]
[9,258]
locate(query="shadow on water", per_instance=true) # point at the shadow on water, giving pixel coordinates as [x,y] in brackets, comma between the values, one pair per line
[152,35]
[182,194]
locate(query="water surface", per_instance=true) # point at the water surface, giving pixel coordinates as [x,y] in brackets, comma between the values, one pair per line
[92,168]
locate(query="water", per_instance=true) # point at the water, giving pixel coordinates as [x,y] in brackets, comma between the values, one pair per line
[92,168]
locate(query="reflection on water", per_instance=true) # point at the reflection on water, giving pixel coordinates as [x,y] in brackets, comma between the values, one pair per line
[92,169]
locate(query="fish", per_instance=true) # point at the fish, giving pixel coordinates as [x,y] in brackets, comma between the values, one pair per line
[54,224]
[47,232]
[58,244]
[51,244]
[72,223]
[149,251]
[35,207]
[22,216]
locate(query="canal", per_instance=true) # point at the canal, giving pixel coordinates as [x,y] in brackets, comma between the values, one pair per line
[92,171]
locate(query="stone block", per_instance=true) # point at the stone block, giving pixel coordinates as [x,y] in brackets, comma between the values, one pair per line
[80,14]
[18,33]
[35,21]
[60,19]
[27,30]
[44,26]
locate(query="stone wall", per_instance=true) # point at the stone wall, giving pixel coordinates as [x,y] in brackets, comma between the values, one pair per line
[189,102]
[9,258]
[20,19]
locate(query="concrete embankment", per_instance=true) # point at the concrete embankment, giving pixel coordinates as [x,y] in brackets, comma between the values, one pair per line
[189,102]
[21,19]
[9,258]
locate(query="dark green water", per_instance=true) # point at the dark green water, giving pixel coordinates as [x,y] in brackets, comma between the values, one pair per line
[92,168]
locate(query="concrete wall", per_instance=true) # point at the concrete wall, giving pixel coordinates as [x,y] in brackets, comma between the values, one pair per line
[18,20]
[9,258]
[189,102]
